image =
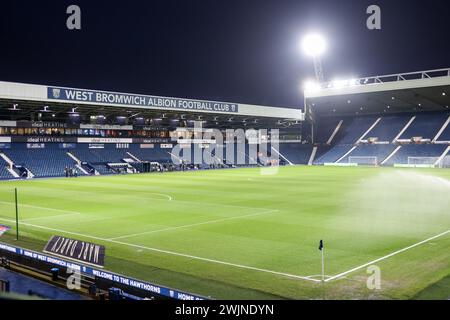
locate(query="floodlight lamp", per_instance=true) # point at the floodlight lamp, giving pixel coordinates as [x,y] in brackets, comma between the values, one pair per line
[314,45]
[311,86]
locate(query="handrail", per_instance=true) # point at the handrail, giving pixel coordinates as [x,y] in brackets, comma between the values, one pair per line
[429,74]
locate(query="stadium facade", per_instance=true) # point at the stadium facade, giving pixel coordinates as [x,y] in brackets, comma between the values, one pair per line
[394,120]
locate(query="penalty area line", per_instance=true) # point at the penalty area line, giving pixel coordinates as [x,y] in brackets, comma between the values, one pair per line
[192,257]
[193,225]
[340,275]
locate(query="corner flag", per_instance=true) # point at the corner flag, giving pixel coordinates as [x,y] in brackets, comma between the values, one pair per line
[321,245]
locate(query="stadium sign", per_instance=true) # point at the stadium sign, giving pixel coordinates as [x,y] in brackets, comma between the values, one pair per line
[44,139]
[41,139]
[151,140]
[105,140]
[104,97]
[86,252]
[38,124]
[113,277]
[105,127]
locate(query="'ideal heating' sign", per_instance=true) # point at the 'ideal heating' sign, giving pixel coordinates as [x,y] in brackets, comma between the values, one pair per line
[86,252]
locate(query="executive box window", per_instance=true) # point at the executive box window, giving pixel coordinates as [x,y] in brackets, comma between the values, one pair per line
[13,131]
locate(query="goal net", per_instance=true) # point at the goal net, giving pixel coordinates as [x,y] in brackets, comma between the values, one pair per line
[429,161]
[365,161]
[444,162]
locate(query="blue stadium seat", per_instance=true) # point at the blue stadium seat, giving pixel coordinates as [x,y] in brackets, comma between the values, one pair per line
[333,154]
[425,126]
[47,162]
[356,129]
[4,173]
[155,154]
[445,135]
[108,154]
[388,128]
[325,128]
[297,153]
[381,151]
[416,150]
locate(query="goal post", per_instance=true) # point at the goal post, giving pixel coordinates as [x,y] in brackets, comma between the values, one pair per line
[422,161]
[364,161]
[444,162]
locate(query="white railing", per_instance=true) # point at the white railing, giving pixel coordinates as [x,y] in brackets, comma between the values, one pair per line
[429,74]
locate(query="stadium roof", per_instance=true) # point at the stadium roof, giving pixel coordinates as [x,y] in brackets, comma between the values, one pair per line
[31,98]
[407,92]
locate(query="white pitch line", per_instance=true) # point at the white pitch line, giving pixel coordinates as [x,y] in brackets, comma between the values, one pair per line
[387,256]
[161,194]
[44,208]
[51,217]
[68,213]
[193,225]
[288,275]
[317,276]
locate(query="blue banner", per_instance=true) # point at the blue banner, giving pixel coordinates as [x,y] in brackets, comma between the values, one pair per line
[5,145]
[104,97]
[114,277]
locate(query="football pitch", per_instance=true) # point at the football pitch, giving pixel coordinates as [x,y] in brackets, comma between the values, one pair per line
[245,234]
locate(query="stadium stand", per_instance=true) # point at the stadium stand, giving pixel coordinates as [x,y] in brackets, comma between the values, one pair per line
[4,173]
[334,154]
[241,157]
[102,169]
[48,162]
[321,150]
[425,126]
[107,154]
[326,128]
[416,150]
[33,288]
[445,135]
[383,131]
[51,160]
[356,129]
[379,151]
[155,154]
[388,128]
[296,153]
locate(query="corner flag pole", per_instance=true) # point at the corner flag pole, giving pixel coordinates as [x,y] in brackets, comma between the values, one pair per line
[17,215]
[323,267]
[321,248]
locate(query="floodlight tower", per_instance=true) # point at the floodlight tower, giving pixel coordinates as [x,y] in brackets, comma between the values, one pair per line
[314,45]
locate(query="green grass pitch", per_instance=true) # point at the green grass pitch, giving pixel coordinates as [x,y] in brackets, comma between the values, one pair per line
[248,235]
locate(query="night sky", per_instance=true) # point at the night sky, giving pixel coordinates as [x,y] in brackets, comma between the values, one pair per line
[240,51]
